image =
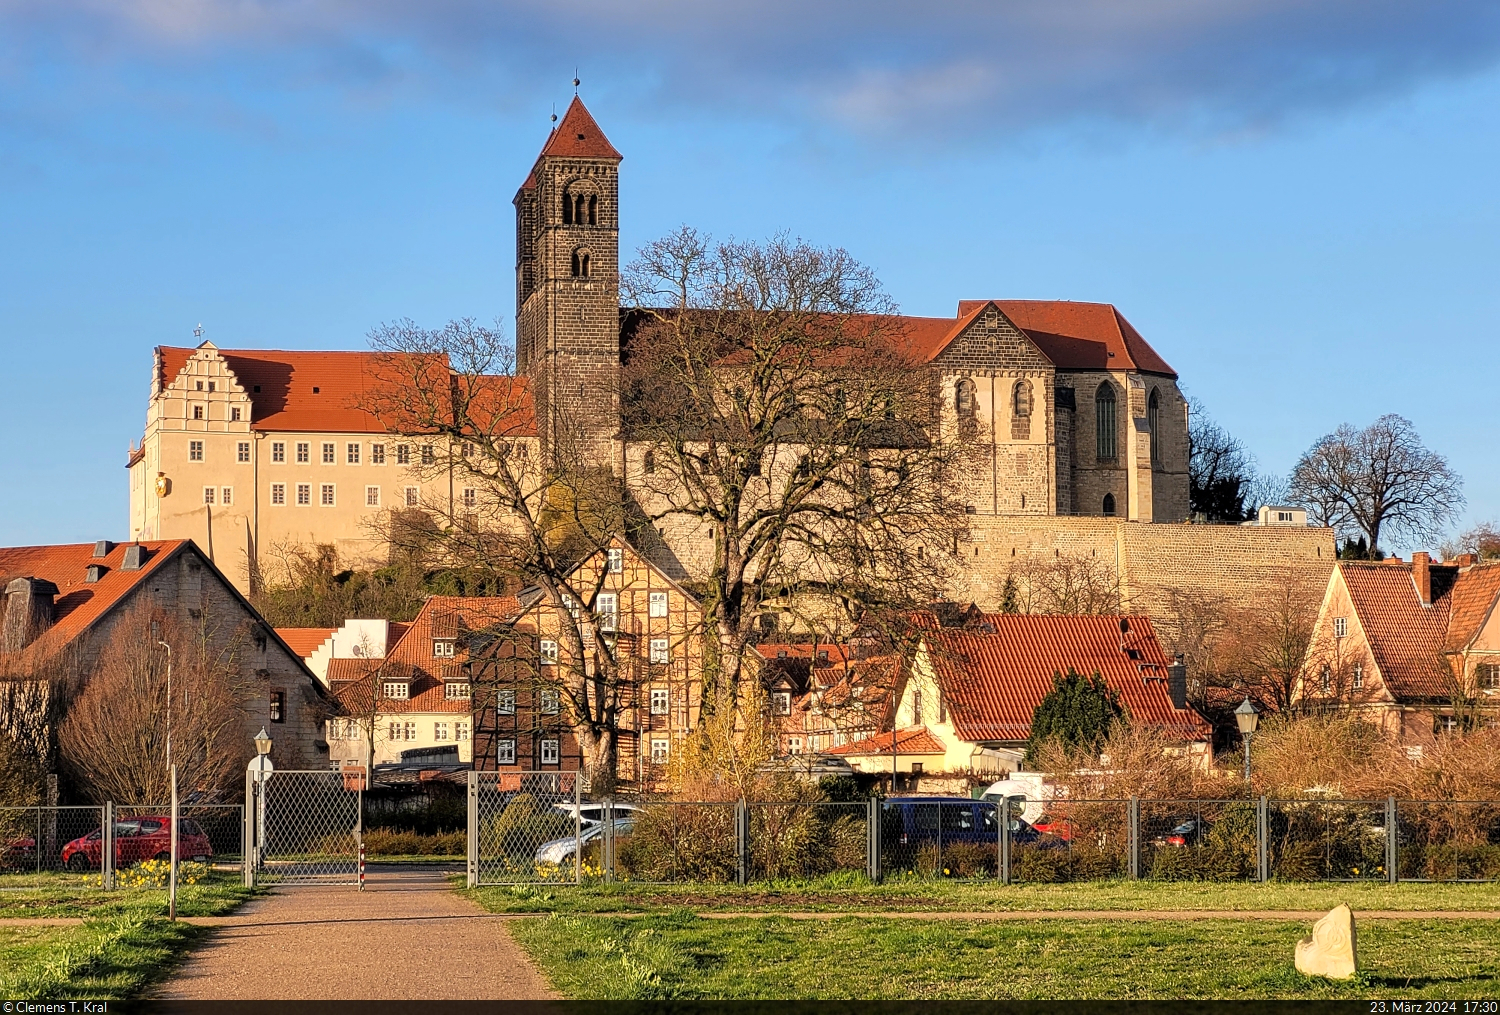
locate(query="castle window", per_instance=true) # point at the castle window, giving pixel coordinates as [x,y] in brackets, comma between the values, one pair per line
[197,412]
[1104,423]
[1021,398]
[593,210]
[963,397]
[581,263]
[567,209]
[648,464]
[234,414]
[1109,505]
[1153,423]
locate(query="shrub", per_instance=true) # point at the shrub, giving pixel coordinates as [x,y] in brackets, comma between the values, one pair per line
[1035,864]
[393,842]
[1461,862]
[680,842]
[1199,863]
[517,831]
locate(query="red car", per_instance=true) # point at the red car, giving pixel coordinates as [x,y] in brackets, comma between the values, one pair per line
[1063,828]
[137,839]
[18,853]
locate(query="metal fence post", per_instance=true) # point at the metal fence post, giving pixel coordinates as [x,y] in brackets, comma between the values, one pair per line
[578,829]
[1262,841]
[247,869]
[741,842]
[107,841]
[1392,841]
[471,850]
[872,838]
[1003,806]
[1133,837]
[607,842]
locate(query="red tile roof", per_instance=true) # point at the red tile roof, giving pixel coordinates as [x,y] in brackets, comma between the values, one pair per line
[1406,638]
[912,740]
[578,136]
[993,682]
[330,392]
[1472,601]
[410,658]
[79,604]
[305,640]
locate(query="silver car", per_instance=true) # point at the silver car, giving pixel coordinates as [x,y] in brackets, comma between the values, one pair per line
[560,851]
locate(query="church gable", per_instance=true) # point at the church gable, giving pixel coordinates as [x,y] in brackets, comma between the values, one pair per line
[990,341]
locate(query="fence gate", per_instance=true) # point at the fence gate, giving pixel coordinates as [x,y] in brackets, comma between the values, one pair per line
[529,828]
[304,827]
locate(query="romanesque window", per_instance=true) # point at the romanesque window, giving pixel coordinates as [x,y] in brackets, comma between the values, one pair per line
[1153,423]
[581,264]
[1021,398]
[1104,423]
[579,209]
[1109,505]
[963,398]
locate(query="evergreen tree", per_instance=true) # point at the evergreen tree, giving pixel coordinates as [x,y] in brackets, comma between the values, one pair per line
[1009,598]
[1079,711]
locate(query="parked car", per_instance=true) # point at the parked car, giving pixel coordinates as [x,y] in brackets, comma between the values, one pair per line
[18,853]
[1051,824]
[916,820]
[1186,833]
[808,766]
[137,839]
[594,813]
[561,851]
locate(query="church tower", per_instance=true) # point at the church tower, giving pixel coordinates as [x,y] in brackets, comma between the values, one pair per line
[568,287]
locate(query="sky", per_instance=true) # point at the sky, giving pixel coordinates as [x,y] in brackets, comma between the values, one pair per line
[1294,201]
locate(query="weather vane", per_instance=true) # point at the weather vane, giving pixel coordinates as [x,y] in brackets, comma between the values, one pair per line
[198,331]
[576,82]
[554,112]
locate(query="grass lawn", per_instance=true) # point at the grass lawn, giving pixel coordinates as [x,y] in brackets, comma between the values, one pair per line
[125,945]
[679,955]
[842,894]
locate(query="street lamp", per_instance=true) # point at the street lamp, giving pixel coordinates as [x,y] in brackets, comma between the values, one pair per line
[1246,717]
[263,741]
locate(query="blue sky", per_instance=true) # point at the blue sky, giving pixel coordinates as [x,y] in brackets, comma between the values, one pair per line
[1294,202]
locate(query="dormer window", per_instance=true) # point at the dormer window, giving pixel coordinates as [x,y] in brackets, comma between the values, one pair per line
[397,690]
[456,690]
[781,703]
[442,648]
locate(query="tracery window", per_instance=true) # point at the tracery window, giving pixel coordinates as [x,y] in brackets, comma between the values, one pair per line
[1104,422]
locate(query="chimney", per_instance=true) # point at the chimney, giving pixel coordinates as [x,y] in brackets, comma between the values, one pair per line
[1421,574]
[1177,682]
[28,612]
[1466,560]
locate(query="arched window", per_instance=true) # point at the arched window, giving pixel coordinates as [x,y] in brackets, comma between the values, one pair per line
[1109,505]
[1104,424]
[567,209]
[963,398]
[581,264]
[1020,399]
[593,210]
[1153,423]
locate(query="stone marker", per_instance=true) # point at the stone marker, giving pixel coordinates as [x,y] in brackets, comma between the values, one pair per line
[1330,951]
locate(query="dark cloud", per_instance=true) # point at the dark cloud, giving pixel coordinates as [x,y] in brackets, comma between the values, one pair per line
[875,67]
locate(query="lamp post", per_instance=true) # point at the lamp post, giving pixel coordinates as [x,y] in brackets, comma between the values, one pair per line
[169,702]
[1246,717]
[260,766]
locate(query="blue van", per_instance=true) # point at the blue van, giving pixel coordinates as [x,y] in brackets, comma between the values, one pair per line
[916,820]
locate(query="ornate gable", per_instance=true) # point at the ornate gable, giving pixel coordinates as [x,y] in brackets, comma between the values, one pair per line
[991,341]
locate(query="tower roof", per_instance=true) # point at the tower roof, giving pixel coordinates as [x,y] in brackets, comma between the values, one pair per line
[578,136]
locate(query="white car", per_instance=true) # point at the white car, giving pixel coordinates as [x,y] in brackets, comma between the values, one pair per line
[594,813]
[560,851]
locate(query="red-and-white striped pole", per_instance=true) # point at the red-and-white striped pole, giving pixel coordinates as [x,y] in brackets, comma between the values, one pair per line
[361,863]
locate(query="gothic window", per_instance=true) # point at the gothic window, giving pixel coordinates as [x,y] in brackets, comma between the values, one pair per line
[1104,422]
[1021,398]
[581,263]
[963,398]
[1109,505]
[1153,423]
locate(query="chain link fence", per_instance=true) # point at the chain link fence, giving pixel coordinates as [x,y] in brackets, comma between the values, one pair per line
[527,827]
[304,827]
[43,840]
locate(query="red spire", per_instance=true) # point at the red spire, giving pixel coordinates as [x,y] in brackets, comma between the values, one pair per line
[579,137]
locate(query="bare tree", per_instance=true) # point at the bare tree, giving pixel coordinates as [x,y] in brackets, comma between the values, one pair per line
[1483,541]
[1220,469]
[780,419]
[1381,478]
[115,734]
[454,392]
[1264,648]
[1067,585]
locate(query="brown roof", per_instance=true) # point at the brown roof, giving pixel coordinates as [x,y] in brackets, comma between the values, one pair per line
[578,136]
[912,740]
[993,680]
[305,640]
[331,391]
[79,604]
[1408,639]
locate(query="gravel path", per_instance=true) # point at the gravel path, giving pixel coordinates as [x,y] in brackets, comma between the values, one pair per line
[407,936]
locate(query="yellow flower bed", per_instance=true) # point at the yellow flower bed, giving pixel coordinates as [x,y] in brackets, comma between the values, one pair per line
[153,874]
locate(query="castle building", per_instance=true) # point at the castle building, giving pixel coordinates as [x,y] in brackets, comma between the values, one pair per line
[251,453]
